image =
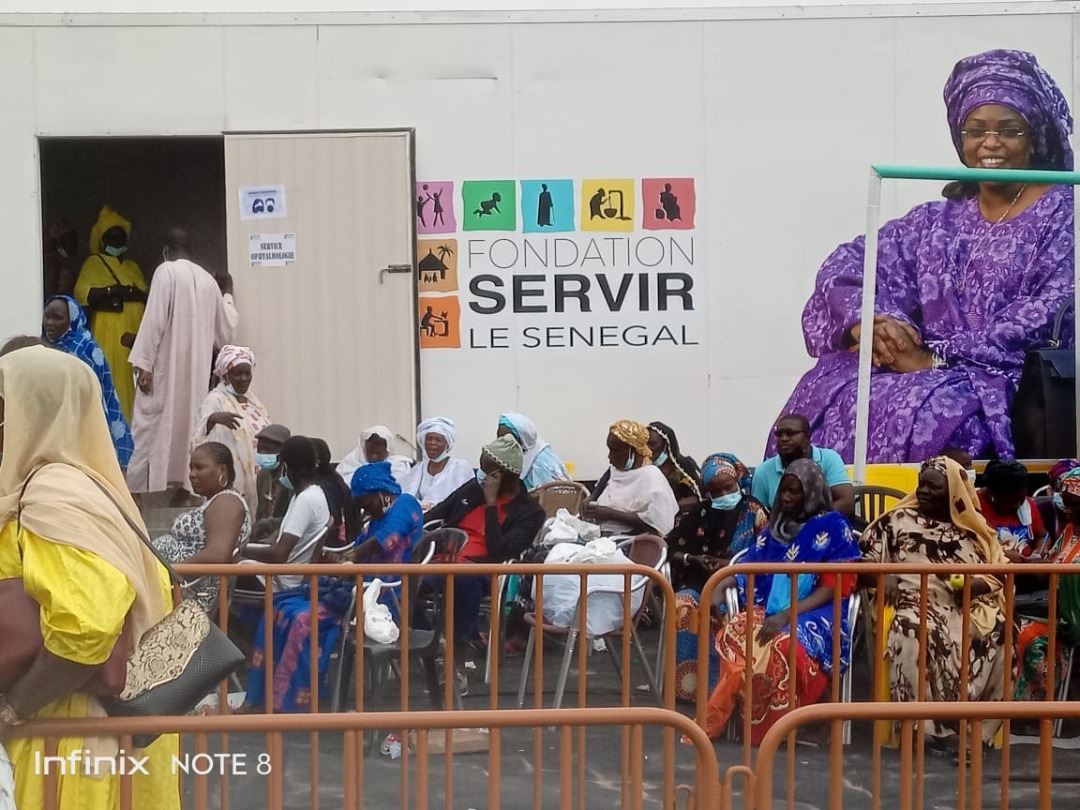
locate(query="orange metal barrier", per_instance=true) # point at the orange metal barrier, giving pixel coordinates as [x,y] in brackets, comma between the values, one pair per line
[971,781]
[270,768]
[875,573]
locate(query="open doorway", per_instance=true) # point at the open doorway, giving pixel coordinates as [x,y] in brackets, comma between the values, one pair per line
[154,183]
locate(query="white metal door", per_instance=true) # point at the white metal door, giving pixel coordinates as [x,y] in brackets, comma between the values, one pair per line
[321,249]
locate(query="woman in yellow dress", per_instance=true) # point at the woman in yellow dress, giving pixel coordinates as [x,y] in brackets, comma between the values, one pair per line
[82,564]
[113,291]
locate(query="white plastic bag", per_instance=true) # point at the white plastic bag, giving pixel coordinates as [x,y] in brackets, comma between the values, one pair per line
[379,623]
[562,591]
[567,528]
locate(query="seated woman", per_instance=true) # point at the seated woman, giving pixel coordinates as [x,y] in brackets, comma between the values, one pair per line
[541,464]
[213,532]
[965,286]
[1055,519]
[338,498]
[395,519]
[64,326]
[682,472]
[636,497]
[1015,517]
[377,443]
[305,520]
[232,415]
[802,528]
[940,523]
[438,473]
[1033,641]
[719,527]
[501,520]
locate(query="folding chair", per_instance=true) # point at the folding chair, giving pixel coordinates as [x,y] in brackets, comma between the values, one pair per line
[646,549]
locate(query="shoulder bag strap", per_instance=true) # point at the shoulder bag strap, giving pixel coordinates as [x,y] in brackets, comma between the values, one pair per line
[101,259]
[175,577]
[1059,319]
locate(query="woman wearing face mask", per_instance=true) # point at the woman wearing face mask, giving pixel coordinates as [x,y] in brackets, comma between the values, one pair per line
[114,291]
[438,474]
[720,526]
[395,519]
[682,472]
[64,326]
[232,415]
[637,498]
[1055,519]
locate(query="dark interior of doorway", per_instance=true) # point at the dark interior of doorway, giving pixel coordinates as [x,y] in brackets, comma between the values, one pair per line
[155,183]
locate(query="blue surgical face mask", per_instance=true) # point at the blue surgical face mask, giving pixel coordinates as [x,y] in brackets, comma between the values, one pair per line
[230,389]
[285,482]
[727,502]
[1059,502]
[266,461]
[443,456]
[661,459]
[480,476]
[630,459]
[115,252]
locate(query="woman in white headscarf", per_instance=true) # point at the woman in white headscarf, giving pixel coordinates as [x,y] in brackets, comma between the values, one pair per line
[63,531]
[438,473]
[377,443]
[542,465]
[232,415]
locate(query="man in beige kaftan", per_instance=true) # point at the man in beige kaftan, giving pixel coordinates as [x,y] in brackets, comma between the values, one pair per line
[186,314]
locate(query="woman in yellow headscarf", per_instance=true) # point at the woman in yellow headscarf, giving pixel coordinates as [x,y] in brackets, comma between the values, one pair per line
[113,291]
[940,523]
[63,534]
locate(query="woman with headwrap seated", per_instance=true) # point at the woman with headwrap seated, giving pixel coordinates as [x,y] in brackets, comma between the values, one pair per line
[501,520]
[438,473]
[541,464]
[802,528]
[682,472]
[377,443]
[940,523]
[64,326]
[232,415]
[1055,518]
[721,525]
[966,286]
[1033,640]
[395,519]
[636,497]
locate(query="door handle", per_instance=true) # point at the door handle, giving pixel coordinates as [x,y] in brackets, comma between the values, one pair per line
[395,268]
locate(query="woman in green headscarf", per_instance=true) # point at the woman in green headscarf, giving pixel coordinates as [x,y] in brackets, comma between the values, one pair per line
[112,289]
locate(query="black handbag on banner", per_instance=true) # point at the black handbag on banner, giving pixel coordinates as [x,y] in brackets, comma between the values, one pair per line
[1044,411]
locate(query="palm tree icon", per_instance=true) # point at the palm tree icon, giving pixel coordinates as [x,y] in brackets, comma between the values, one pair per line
[444,251]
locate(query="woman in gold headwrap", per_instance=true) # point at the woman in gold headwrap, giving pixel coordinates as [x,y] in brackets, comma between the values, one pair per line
[62,532]
[940,523]
[633,496]
[113,291]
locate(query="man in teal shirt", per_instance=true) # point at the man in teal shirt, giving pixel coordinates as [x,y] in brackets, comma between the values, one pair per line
[793,442]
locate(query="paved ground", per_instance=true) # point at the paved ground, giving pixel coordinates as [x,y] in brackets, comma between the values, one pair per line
[384,786]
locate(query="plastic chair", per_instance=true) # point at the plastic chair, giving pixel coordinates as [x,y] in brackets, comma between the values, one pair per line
[424,645]
[556,495]
[646,549]
[854,609]
[872,501]
[1063,689]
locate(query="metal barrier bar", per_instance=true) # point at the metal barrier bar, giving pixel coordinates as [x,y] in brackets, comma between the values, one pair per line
[1006,573]
[906,714]
[351,723]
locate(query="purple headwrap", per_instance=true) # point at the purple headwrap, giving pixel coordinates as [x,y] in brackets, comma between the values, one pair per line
[1060,468]
[1013,79]
[375,477]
